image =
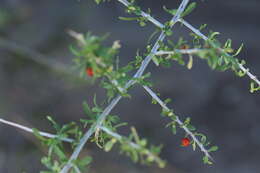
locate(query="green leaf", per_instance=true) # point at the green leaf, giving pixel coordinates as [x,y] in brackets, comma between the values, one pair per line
[191,127]
[213,148]
[253,88]
[97,109]
[37,134]
[74,51]
[55,125]
[228,43]
[190,63]
[59,152]
[206,160]
[202,26]
[85,161]
[87,109]
[213,35]
[187,121]
[134,155]
[174,129]
[168,100]
[193,146]
[109,145]
[128,18]
[142,23]
[142,142]
[189,9]
[155,60]
[203,139]
[239,50]
[99,1]
[172,12]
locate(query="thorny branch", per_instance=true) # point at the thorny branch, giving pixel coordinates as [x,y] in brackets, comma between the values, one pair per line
[98,124]
[30,130]
[132,144]
[114,102]
[181,124]
[197,32]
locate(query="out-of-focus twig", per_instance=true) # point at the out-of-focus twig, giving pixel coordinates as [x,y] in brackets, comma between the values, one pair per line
[30,130]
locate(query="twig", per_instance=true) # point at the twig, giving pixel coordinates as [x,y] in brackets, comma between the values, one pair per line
[87,135]
[144,14]
[33,55]
[30,130]
[132,144]
[181,125]
[182,51]
[114,102]
[197,32]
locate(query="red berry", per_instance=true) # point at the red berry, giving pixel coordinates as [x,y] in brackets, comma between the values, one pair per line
[89,71]
[185,142]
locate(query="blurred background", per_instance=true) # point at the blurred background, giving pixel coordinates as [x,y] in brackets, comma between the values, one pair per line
[36,80]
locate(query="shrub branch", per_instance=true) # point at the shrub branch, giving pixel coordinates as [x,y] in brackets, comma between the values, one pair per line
[177,119]
[117,136]
[30,130]
[197,32]
[144,14]
[114,102]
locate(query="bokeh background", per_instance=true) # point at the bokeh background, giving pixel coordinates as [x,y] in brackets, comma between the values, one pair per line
[36,80]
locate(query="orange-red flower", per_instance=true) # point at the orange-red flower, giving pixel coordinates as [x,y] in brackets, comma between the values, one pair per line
[185,142]
[89,71]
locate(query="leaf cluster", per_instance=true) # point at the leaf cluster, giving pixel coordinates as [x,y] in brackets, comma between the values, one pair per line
[133,146]
[56,157]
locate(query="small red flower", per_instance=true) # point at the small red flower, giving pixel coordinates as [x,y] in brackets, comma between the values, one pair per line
[185,142]
[89,71]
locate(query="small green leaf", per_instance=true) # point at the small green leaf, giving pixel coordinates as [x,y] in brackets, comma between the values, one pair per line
[85,161]
[172,12]
[168,32]
[128,18]
[87,109]
[193,146]
[59,152]
[168,100]
[203,139]
[206,160]
[253,88]
[55,125]
[174,129]
[239,50]
[155,60]
[142,23]
[202,26]
[187,121]
[191,127]
[190,63]
[109,145]
[189,9]
[213,148]
[37,134]
[213,35]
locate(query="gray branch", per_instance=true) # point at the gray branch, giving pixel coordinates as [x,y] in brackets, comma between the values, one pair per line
[132,144]
[182,51]
[163,105]
[30,130]
[197,32]
[144,14]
